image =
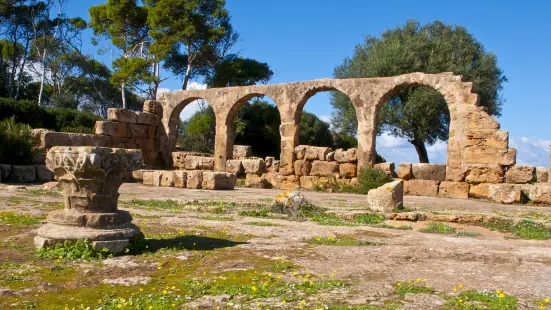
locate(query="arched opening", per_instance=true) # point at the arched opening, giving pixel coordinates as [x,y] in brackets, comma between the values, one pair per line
[196,128]
[192,127]
[321,124]
[413,125]
[255,121]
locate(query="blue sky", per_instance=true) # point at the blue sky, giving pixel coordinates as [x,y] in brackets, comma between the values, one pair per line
[306,39]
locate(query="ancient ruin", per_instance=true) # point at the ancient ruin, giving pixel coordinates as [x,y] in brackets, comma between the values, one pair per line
[90,178]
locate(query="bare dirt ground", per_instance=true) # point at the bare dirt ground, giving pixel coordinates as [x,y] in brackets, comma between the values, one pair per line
[204,239]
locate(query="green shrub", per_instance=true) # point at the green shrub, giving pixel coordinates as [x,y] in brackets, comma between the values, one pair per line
[78,249]
[31,113]
[17,146]
[369,178]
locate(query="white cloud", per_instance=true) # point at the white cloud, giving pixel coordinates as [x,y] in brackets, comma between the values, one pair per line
[195,85]
[531,151]
[161,90]
[399,150]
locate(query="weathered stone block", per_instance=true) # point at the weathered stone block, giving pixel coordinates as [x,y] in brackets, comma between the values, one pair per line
[122,115]
[39,158]
[347,170]
[286,182]
[254,165]
[542,174]
[112,129]
[479,191]
[257,181]
[274,167]
[137,131]
[152,132]
[23,174]
[454,190]
[216,180]
[488,138]
[316,152]
[324,168]
[180,179]
[167,178]
[157,178]
[199,163]
[152,106]
[308,182]
[146,145]
[302,167]
[387,168]
[432,172]
[355,182]
[484,174]
[5,171]
[347,156]
[43,174]
[234,166]
[404,171]
[489,155]
[241,151]
[387,197]
[505,193]
[145,118]
[147,178]
[540,193]
[300,151]
[330,156]
[194,179]
[520,174]
[52,139]
[421,187]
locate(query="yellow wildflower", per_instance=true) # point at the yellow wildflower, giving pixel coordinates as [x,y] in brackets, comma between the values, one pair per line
[546,300]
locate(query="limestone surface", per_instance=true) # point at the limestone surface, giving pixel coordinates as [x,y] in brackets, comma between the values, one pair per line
[421,187]
[387,197]
[404,171]
[505,193]
[432,172]
[521,174]
[450,189]
[387,168]
[216,180]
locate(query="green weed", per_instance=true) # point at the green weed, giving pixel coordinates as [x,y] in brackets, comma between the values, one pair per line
[482,300]
[340,241]
[261,224]
[399,227]
[46,192]
[14,219]
[443,228]
[79,249]
[412,287]
[216,218]
[523,230]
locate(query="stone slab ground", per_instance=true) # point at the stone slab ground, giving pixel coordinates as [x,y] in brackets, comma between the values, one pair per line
[211,248]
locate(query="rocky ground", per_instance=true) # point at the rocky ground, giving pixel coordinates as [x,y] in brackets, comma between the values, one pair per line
[224,250]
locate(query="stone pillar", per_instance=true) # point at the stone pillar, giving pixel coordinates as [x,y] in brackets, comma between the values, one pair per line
[289,132]
[90,178]
[223,146]
[367,124]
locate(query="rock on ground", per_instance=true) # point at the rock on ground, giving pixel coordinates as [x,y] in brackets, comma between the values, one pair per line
[387,197]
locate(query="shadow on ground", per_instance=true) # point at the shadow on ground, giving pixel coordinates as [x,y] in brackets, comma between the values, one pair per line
[191,242]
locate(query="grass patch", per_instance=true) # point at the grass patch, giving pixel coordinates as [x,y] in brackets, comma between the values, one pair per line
[340,241]
[216,218]
[490,300]
[403,210]
[15,219]
[158,204]
[44,192]
[79,249]
[443,228]
[261,224]
[399,227]
[412,287]
[370,218]
[263,212]
[523,230]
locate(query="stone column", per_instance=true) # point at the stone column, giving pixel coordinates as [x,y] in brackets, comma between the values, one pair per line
[90,178]
[367,124]
[289,132]
[223,146]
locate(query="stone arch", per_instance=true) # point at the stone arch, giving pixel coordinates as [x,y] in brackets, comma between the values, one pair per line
[291,113]
[230,115]
[171,127]
[462,104]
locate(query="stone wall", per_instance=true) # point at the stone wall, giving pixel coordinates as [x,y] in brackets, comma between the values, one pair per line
[122,129]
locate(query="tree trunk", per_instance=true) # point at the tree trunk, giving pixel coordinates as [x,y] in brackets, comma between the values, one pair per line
[123,95]
[186,77]
[421,151]
[42,77]
[19,82]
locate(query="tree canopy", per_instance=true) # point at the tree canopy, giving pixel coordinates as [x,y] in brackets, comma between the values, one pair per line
[419,114]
